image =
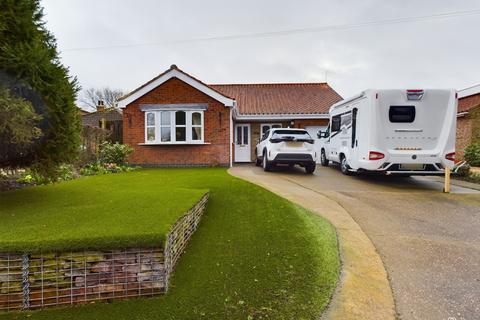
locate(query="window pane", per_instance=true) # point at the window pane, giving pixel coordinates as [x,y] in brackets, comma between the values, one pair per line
[402,114]
[180,118]
[346,119]
[196,133]
[239,135]
[150,119]
[277,126]
[180,134]
[265,128]
[245,135]
[196,119]
[336,123]
[166,134]
[151,134]
[165,118]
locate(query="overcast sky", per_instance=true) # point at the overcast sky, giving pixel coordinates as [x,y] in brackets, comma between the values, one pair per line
[428,53]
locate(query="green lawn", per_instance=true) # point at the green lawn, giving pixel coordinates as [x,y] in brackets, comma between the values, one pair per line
[101,212]
[254,256]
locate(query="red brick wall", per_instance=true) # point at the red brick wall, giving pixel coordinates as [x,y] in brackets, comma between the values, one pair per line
[467,103]
[216,126]
[464,136]
[302,123]
[468,131]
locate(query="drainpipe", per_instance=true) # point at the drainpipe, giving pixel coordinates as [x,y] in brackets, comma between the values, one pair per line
[231,134]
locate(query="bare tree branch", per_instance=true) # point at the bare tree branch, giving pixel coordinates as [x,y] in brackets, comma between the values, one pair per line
[91,96]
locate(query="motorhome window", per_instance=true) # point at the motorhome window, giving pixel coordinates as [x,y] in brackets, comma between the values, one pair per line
[346,120]
[336,120]
[402,114]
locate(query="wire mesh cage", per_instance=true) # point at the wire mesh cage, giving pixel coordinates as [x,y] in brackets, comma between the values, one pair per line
[34,281]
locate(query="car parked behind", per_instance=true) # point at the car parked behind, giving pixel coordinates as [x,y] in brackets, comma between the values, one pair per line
[286,146]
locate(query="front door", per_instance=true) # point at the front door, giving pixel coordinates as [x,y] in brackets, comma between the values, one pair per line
[242,143]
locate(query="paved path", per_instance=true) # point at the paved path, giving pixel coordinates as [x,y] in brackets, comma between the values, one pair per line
[429,241]
[364,291]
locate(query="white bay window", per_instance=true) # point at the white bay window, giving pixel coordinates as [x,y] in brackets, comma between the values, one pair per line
[174,127]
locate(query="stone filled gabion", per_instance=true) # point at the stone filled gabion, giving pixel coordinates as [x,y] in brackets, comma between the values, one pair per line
[33,281]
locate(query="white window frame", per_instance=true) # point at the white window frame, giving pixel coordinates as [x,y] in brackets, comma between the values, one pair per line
[147,126]
[188,127]
[269,125]
[191,126]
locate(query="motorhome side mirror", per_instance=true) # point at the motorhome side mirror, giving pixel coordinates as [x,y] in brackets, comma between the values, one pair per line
[322,134]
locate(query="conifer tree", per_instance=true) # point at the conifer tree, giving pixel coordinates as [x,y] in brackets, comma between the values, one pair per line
[30,69]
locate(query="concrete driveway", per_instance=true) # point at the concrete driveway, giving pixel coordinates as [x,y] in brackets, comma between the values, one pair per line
[429,241]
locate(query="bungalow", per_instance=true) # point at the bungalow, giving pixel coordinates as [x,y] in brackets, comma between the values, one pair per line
[176,119]
[468,118]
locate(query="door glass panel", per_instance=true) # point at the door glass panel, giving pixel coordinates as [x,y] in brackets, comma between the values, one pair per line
[239,135]
[245,135]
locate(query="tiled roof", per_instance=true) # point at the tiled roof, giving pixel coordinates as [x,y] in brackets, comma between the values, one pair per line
[280,98]
[468,102]
[269,98]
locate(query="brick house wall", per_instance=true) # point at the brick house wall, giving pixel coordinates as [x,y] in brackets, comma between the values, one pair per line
[302,123]
[468,131]
[216,149]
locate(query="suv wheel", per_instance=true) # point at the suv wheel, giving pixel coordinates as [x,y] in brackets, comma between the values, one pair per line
[310,168]
[258,161]
[344,167]
[323,159]
[265,163]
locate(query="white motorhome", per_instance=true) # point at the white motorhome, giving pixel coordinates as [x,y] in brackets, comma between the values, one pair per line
[409,132]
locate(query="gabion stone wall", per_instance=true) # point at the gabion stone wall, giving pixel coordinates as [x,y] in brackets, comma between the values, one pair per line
[33,281]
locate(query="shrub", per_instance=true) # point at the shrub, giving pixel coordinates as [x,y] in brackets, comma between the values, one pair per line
[472,154]
[464,171]
[98,168]
[114,153]
[475,177]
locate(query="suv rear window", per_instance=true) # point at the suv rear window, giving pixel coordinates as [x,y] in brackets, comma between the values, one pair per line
[296,134]
[401,114]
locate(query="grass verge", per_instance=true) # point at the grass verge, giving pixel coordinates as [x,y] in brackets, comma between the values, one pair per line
[254,256]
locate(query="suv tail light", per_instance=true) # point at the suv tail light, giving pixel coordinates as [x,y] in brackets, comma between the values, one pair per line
[374,155]
[450,156]
[415,94]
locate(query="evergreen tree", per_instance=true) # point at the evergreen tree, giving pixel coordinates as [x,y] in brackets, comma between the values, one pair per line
[30,67]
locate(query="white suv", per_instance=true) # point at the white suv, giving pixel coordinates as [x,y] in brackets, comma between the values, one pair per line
[286,146]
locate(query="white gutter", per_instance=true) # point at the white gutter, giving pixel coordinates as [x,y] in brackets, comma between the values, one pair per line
[470,91]
[283,116]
